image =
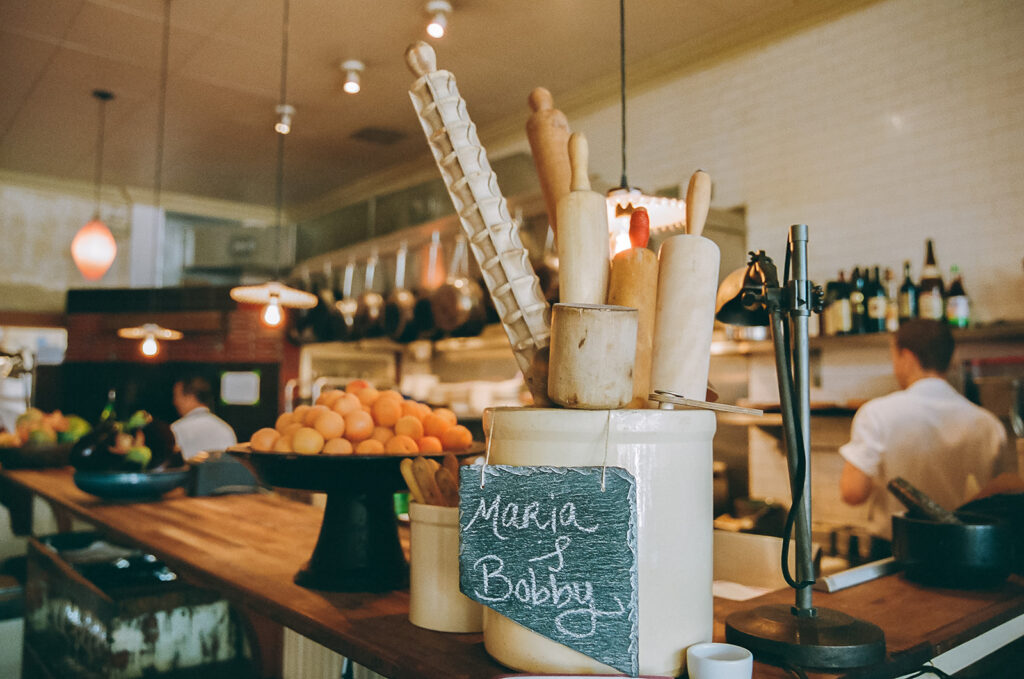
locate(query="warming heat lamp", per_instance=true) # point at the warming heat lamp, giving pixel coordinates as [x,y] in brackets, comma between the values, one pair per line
[149,333]
[272,296]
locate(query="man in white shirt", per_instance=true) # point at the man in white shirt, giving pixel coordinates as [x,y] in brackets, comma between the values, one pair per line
[927,433]
[198,429]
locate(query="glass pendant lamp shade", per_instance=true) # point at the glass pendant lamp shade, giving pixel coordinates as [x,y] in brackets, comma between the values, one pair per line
[664,213]
[93,249]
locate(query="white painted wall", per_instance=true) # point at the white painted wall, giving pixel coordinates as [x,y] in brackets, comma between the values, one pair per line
[891,124]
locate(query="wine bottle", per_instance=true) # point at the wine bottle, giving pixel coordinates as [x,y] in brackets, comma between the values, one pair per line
[931,292]
[958,306]
[875,303]
[907,296]
[108,413]
[892,313]
[858,310]
[838,312]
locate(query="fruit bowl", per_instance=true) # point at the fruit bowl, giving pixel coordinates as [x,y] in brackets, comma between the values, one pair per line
[35,456]
[131,485]
[358,549]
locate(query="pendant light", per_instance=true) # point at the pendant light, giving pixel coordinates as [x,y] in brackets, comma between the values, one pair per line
[439,11]
[353,69]
[664,212]
[273,295]
[93,248]
[149,333]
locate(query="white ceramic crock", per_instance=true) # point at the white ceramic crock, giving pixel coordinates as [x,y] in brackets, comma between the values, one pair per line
[435,601]
[669,453]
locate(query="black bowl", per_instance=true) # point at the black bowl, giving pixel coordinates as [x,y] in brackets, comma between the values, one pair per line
[131,485]
[974,555]
[36,457]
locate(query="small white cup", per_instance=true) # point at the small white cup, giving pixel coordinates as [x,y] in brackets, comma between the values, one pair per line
[719,661]
[435,601]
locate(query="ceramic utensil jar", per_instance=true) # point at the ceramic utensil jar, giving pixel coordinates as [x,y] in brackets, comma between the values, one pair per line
[435,601]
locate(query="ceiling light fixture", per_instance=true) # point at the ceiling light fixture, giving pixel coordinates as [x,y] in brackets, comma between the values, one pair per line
[272,294]
[439,10]
[93,248]
[149,333]
[353,75]
[284,122]
[664,212]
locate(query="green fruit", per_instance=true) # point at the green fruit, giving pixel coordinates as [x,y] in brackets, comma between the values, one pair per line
[77,428]
[42,437]
[140,455]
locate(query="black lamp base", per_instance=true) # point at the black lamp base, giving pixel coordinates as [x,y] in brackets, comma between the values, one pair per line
[829,640]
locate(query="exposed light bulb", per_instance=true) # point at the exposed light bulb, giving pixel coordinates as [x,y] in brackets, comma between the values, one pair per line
[284,123]
[438,11]
[353,69]
[150,346]
[272,313]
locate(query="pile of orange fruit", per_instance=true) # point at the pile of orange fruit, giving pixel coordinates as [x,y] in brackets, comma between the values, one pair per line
[363,420]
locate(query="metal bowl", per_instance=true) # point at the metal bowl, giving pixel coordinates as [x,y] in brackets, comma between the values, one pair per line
[976,554]
[131,485]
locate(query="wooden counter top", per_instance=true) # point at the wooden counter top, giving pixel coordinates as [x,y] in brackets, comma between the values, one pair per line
[250,546]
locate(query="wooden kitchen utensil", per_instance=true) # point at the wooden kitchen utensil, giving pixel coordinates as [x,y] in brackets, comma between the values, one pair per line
[685,312]
[592,350]
[583,225]
[548,132]
[483,212]
[634,283]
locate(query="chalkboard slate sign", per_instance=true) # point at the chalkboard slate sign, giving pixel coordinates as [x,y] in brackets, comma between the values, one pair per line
[548,548]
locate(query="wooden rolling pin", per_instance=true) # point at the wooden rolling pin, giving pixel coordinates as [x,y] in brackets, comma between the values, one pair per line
[583,241]
[634,283]
[685,313]
[548,132]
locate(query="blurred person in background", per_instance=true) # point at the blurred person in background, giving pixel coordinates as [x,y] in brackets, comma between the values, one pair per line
[198,429]
[926,433]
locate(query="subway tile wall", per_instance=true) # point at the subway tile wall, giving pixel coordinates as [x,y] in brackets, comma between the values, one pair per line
[893,123]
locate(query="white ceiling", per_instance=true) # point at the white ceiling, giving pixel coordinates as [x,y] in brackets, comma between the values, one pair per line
[225,71]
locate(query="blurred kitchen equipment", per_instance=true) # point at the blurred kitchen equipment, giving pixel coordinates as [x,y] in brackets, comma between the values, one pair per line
[592,350]
[346,306]
[422,314]
[458,305]
[547,130]
[370,310]
[301,329]
[399,309]
[919,505]
[975,552]
[583,246]
[685,314]
[326,299]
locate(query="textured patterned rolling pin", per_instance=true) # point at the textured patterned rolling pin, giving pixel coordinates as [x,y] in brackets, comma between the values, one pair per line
[493,233]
